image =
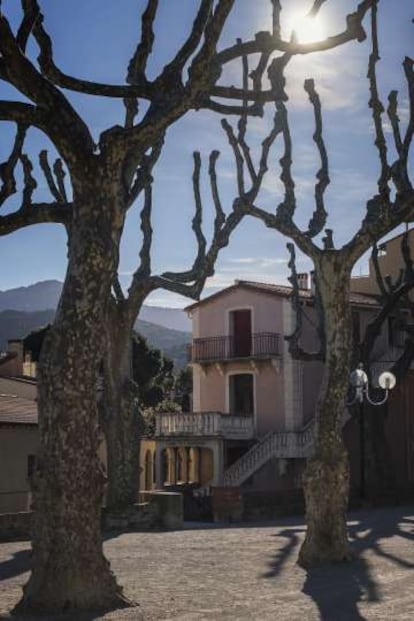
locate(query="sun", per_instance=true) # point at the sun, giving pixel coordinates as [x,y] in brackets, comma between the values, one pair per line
[307,29]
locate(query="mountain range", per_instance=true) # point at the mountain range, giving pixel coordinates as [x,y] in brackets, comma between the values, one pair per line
[24,309]
[45,295]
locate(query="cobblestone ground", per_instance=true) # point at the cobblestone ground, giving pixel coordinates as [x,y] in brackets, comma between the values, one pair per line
[249,572]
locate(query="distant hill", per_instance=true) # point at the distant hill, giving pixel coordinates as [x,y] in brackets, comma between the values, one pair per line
[173,318]
[173,343]
[37,297]
[17,324]
[45,295]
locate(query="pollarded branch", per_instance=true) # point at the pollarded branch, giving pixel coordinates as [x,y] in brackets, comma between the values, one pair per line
[295,349]
[29,212]
[377,108]
[138,63]
[55,186]
[319,216]
[60,120]
[7,168]
[208,26]
[283,219]
[200,26]
[393,299]
[255,109]
[39,213]
[144,270]
[265,42]
[383,214]
[143,174]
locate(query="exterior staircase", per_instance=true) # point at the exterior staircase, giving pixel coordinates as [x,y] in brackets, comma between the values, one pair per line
[276,444]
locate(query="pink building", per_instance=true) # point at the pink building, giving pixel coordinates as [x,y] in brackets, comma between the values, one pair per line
[253,405]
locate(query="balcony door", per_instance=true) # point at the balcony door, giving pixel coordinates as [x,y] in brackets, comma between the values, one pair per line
[241,394]
[241,332]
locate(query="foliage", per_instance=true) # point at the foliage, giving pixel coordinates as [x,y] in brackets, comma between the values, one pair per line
[151,370]
[184,388]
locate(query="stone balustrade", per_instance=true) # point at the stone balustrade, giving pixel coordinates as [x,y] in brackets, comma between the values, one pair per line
[199,424]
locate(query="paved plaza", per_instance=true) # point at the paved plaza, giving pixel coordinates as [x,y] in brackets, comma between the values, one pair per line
[249,572]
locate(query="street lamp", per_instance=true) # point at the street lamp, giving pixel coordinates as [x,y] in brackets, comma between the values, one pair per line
[359,381]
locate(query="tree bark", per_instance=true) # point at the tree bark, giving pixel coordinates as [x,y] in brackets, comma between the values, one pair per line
[326,478]
[121,420]
[69,570]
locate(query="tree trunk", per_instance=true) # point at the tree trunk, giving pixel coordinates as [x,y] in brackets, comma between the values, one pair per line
[326,478]
[69,570]
[121,420]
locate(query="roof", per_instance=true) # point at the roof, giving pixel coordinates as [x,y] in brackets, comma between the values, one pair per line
[19,387]
[359,299]
[17,411]
[393,239]
[7,356]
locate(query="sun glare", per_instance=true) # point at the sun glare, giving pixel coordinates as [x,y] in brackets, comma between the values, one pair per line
[307,29]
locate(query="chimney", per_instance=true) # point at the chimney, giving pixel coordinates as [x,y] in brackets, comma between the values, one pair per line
[16,347]
[15,365]
[303,281]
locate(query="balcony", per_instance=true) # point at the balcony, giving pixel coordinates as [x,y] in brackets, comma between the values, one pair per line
[229,426]
[221,348]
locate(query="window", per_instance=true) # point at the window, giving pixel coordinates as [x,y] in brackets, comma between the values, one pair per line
[241,394]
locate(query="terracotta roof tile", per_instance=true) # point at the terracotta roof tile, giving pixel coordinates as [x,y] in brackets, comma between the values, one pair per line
[359,299]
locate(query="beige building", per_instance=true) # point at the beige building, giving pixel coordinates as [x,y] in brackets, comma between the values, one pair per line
[390,262]
[19,438]
[254,406]
[18,442]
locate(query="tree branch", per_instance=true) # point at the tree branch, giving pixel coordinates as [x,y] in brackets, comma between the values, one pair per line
[377,109]
[138,63]
[319,216]
[8,167]
[266,43]
[40,213]
[295,349]
[62,123]
[54,190]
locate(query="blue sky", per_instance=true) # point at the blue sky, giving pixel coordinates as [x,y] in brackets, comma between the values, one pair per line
[94,39]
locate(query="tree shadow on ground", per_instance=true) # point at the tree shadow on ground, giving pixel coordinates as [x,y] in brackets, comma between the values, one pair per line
[72,616]
[17,564]
[337,589]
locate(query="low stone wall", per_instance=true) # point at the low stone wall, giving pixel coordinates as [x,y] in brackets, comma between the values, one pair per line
[161,510]
[271,504]
[15,525]
[227,504]
[169,507]
[156,510]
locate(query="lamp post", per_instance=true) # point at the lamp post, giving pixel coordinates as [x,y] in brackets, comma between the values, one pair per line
[359,382]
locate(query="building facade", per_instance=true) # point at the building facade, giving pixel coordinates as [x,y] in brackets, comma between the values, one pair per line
[253,405]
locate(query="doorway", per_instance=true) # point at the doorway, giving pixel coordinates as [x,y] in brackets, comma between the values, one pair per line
[241,333]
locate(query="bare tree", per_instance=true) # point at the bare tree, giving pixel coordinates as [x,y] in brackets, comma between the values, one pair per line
[394,320]
[69,569]
[120,417]
[326,478]
[394,300]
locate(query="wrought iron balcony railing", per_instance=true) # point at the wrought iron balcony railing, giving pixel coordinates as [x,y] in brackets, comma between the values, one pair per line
[260,345]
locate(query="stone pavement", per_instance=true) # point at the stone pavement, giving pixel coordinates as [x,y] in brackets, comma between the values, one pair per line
[248,572]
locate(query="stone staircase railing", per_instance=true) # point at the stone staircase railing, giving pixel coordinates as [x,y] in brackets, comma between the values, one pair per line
[276,444]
